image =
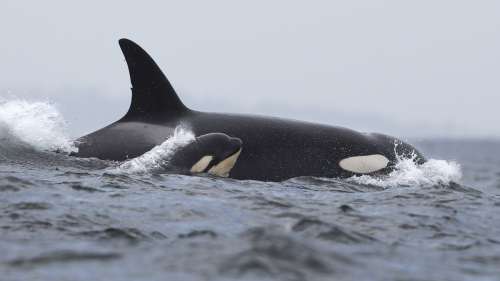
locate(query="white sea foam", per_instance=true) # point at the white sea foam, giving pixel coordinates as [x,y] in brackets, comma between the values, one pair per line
[408,173]
[37,124]
[158,157]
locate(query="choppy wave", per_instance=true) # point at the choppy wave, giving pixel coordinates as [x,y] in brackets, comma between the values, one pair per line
[157,158]
[408,173]
[191,228]
[37,124]
[59,222]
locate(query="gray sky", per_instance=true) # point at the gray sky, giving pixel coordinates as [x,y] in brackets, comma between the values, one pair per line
[406,68]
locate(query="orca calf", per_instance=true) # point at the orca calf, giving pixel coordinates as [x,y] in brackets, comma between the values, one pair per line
[213,153]
[274,149]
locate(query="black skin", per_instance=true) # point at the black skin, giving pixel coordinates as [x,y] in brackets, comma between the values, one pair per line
[219,146]
[275,149]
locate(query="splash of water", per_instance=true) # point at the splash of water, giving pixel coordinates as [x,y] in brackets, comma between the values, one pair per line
[408,173]
[157,158]
[37,124]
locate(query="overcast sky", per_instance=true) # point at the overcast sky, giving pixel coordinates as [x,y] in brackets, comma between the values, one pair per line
[406,68]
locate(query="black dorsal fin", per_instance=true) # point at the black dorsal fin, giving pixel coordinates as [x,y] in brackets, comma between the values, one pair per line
[152,93]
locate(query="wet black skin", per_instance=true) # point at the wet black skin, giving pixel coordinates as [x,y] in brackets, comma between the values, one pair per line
[274,149]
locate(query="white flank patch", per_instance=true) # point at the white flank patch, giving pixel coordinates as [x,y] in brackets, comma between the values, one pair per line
[201,165]
[364,164]
[224,167]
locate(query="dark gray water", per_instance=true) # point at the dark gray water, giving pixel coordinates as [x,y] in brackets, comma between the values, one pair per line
[64,218]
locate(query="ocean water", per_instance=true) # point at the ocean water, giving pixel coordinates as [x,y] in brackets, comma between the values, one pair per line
[64,218]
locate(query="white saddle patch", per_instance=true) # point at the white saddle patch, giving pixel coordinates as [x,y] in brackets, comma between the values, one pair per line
[364,164]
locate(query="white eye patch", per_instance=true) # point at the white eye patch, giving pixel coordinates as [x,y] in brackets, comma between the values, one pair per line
[202,164]
[364,164]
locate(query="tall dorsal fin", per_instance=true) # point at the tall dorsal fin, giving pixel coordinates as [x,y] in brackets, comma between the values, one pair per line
[152,93]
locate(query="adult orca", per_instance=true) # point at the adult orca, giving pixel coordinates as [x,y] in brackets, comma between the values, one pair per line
[274,149]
